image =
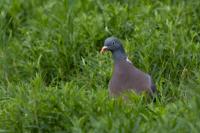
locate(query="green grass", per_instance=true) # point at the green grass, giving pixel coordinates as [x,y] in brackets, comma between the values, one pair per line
[53,79]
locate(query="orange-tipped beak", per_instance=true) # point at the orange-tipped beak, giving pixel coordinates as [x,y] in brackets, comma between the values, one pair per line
[103,49]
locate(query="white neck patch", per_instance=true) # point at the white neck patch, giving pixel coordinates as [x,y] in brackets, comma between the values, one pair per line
[128,60]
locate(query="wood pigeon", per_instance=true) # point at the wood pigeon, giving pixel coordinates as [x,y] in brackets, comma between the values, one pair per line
[125,75]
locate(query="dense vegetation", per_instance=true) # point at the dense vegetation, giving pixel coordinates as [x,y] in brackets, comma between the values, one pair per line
[53,79]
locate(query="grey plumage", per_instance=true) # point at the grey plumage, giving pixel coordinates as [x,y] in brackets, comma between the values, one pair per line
[125,75]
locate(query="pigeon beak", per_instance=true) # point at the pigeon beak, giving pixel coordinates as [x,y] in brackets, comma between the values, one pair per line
[103,49]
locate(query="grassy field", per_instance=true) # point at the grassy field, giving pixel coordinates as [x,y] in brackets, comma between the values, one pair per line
[53,79]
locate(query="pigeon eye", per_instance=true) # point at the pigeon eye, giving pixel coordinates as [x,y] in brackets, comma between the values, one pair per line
[113,43]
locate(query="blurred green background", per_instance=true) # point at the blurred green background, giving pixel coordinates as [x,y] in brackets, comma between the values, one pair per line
[53,79]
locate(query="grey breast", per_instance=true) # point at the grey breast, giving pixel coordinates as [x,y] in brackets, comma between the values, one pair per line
[127,77]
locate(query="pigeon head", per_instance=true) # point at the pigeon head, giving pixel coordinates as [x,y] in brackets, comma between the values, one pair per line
[113,45]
